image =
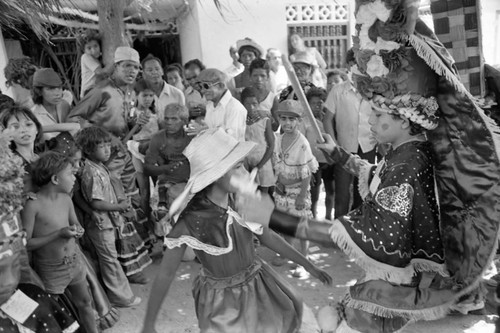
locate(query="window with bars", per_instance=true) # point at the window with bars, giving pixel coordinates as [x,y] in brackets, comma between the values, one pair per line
[323,26]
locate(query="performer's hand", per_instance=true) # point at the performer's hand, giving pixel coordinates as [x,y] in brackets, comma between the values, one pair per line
[320,274]
[257,209]
[329,145]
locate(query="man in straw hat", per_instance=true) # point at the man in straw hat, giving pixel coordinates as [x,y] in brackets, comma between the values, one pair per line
[421,260]
[248,51]
[229,292]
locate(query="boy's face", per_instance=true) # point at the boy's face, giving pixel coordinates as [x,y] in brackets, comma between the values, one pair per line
[385,128]
[126,71]
[332,81]
[251,104]
[172,122]
[93,49]
[246,58]
[173,78]
[259,78]
[66,179]
[145,98]
[152,71]
[237,171]
[212,91]
[289,123]
[316,105]
[23,130]
[102,152]
[52,95]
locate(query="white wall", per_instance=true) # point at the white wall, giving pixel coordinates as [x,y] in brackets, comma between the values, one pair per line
[4,59]
[262,20]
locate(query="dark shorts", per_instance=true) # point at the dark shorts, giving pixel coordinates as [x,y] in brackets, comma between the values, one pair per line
[58,274]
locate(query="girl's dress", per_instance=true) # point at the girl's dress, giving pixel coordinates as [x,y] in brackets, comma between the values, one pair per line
[256,133]
[296,162]
[235,290]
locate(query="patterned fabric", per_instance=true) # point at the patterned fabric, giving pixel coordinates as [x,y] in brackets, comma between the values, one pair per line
[456,24]
[396,199]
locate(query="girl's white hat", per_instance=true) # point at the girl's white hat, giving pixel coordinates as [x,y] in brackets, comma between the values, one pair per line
[211,155]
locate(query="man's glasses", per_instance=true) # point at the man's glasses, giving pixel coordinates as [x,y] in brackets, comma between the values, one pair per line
[207,85]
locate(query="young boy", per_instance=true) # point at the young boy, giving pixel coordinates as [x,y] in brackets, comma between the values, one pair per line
[294,165]
[51,234]
[99,192]
[259,130]
[92,70]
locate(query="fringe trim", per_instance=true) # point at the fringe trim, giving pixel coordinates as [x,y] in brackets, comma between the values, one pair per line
[297,171]
[377,270]
[433,313]
[426,52]
[373,268]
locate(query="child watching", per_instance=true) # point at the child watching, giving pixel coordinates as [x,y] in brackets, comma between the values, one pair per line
[98,191]
[316,97]
[51,234]
[294,165]
[259,78]
[92,69]
[259,131]
[139,145]
[236,291]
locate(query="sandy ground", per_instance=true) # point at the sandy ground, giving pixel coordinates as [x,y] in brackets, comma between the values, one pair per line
[177,313]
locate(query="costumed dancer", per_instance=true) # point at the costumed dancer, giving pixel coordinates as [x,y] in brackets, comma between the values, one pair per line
[235,291]
[420,263]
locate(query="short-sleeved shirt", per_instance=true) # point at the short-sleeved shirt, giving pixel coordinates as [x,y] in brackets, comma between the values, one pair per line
[89,65]
[229,114]
[351,113]
[46,118]
[96,185]
[167,149]
[168,95]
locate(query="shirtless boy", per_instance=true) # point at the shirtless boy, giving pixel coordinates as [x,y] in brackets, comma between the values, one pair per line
[52,227]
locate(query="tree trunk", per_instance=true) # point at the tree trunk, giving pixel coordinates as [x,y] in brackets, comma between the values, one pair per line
[111,26]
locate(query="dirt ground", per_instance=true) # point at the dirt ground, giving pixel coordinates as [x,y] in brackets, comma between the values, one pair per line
[177,313]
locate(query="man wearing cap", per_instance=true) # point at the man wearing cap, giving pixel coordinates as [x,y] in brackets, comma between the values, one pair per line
[165,93]
[248,51]
[223,110]
[349,112]
[50,108]
[109,104]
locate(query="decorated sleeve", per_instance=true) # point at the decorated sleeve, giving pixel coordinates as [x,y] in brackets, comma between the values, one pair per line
[352,163]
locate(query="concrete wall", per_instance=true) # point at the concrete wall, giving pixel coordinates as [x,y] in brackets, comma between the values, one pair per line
[262,20]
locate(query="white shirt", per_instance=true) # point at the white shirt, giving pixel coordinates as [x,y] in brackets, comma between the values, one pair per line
[229,114]
[168,95]
[351,113]
[89,65]
[278,80]
[233,71]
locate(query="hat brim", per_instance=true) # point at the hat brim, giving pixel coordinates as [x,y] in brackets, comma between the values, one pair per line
[289,113]
[205,178]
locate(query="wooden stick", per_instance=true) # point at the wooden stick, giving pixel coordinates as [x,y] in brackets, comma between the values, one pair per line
[297,89]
